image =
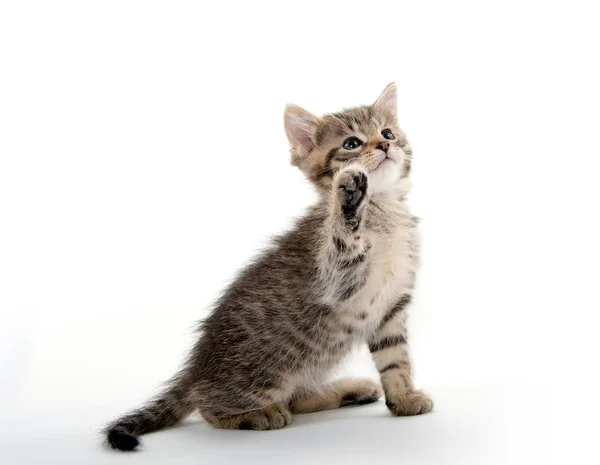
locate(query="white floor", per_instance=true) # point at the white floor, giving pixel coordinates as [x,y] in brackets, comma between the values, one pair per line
[497,421]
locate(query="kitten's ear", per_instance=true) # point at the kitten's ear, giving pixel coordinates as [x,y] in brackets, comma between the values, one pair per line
[388,101]
[300,128]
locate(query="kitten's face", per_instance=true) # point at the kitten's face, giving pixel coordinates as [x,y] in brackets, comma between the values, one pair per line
[368,135]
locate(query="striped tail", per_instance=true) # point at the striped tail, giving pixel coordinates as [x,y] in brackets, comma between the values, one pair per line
[166,410]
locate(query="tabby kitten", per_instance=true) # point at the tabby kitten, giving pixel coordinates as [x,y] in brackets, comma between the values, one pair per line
[343,276]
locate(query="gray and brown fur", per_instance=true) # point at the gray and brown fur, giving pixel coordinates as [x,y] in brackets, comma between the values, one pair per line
[343,276]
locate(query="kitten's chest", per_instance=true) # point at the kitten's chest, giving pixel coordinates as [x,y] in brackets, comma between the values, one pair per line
[392,266]
[393,263]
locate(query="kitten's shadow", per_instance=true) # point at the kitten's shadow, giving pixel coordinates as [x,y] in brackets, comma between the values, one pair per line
[466,425]
[350,431]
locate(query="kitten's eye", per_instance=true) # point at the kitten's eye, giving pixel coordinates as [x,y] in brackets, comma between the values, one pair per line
[387,134]
[352,143]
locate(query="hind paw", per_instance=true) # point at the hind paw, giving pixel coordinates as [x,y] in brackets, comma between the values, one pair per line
[273,417]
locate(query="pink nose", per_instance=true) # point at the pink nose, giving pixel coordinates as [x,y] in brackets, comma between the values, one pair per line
[383,146]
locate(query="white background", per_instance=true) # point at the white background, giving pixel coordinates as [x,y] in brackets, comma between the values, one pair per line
[143,161]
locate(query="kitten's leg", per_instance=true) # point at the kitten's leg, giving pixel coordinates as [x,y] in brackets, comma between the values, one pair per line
[273,417]
[389,349]
[344,250]
[346,391]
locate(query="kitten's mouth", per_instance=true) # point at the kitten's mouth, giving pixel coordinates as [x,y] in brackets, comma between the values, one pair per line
[385,160]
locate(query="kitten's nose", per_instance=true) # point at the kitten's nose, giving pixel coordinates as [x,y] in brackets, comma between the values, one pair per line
[383,146]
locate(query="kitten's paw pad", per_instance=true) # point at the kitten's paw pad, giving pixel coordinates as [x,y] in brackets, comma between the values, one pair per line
[366,393]
[352,187]
[412,403]
[274,417]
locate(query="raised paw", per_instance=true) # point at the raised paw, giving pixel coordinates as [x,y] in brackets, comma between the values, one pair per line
[274,417]
[411,403]
[365,392]
[352,186]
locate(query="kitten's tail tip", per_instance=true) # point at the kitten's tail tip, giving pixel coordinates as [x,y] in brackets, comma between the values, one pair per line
[120,439]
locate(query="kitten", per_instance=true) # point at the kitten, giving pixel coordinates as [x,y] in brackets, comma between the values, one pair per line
[343,276]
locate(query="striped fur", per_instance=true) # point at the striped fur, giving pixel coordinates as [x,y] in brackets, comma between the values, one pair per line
[340,393]
[342,276]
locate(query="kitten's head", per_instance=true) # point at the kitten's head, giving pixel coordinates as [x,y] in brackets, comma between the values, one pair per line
[369,135]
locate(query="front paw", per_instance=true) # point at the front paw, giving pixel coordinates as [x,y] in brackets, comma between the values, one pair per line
[410,403]
[352,191]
